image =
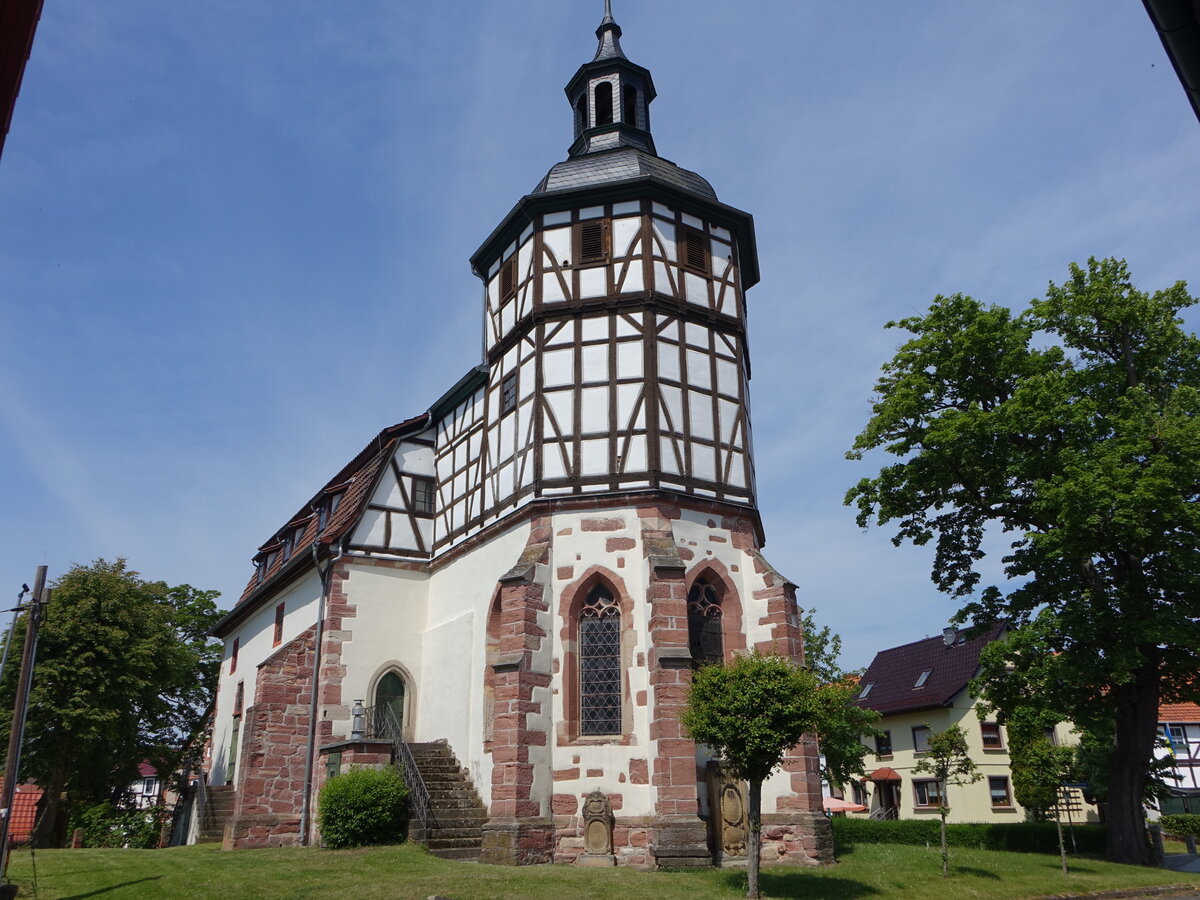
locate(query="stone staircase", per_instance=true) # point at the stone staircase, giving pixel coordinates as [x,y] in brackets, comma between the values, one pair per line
[217,809]
[458,814]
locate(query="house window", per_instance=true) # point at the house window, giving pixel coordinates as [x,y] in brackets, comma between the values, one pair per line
[604,103]
[991,736]
[239,699]
[922,678]
[150,786]
[600,664]
[322,518]
[508,278]
[287,548]
[423,492]
[591,237]
[508,393]
[278,636]
[920,735]
[927,793]
[693,249]
[866,689]
[389,706]
[704,624]
[998,788]
[883,744]
[1176,736]
[233,654]
[1052,736]
[859,792]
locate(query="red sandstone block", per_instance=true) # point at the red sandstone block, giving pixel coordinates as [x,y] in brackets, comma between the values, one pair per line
[638,773]
[527,809]
[566,774]
[612,545]
[564,804]
[640,698]
[595,773]
[565,573]
[603,524]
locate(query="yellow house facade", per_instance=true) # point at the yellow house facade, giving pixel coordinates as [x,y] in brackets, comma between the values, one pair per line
[920,689]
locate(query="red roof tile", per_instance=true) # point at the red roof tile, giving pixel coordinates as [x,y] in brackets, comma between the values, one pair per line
[893,674]
[1178,712]
[24,811]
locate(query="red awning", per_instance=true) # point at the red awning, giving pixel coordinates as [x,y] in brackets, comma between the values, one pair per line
[886,773]
[833,804]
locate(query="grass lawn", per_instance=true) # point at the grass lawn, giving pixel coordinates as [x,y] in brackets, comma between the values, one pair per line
[408,873]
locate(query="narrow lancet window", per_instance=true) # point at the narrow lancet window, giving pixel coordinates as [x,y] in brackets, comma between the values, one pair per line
[600,663]
[704,624]
[604,103]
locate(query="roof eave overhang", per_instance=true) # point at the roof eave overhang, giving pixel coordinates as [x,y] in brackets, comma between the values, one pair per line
[607,65]
[1178,25]
[296,566]
[740,223]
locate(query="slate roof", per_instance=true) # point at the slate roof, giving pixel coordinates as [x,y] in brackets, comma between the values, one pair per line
[354,481]
[621,164]
[893,673]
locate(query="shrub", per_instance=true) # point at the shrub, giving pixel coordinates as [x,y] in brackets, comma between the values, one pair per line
[1181,824]
[105,825]
[363,806]
[1015,837]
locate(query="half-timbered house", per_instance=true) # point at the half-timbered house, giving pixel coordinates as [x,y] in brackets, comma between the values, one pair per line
[524,575]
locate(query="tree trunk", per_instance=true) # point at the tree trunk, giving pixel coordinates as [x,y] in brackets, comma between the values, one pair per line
[47,827]
[754,852]
[943,809]
[1136,726]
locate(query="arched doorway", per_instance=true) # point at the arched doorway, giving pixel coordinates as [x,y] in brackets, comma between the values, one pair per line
[389,706]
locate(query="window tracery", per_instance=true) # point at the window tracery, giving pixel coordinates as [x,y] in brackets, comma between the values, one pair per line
[600,663]
[704,624]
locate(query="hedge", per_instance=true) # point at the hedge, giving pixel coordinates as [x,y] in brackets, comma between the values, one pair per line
[1181,824]
[363,806]
[1015,837]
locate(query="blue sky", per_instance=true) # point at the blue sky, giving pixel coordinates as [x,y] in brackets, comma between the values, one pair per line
[234,237]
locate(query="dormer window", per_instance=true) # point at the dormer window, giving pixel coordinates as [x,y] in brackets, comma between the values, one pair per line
[922,678]
[591,237]
[287,548]
[423,495]
[866,690]
[604,103]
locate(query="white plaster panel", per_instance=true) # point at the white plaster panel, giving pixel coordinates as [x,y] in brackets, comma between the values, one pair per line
[594,409]
[403,536]
[634,278]
[370,529]
[560,333]
[629,359]
[623,209]
[692,221]
[593,457]
[627,397]
[661,210]
[696,289]
[665,234]
[556,218]
[624,233]
[508,316]
[672,399]
[591,212]
[551,288]
[525,260]
[558,367]
[697,335]
[595,362]
[668,361]
[635,456]
[727,378]
[700,408]
[510,249]
[508,434]
[625,328]
[415,459]
[737,471]
[562,404]
[728,413]
[721,233]
[699,369]
[593,282]
[662,282]
[558,242]
[594,328]
[669,459]
[506,476]
[552,461]
[525,381]
[387,492]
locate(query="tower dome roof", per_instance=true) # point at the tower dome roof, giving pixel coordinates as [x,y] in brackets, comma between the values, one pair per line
[620,164]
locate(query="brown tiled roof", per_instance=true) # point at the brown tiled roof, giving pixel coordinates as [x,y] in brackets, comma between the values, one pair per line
[24,811]
[355,481]
[893,673]
[1178,712]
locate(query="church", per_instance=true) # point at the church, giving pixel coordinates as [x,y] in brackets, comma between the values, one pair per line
[507,593]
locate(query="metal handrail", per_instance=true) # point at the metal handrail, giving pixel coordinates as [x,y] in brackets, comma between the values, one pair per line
[884,812]
[382,724]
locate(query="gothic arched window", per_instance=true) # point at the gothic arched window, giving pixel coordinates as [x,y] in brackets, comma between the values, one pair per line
[629,105]
[604,103]
[600,663]
[704,624]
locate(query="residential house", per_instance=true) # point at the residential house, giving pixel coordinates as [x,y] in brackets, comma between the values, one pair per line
[920,689]
[1179,732]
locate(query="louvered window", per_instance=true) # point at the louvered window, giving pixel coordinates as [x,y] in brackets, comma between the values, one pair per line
[704,624]
[694,249]
[508,393]
[592,239]
[600,664]
[508,278]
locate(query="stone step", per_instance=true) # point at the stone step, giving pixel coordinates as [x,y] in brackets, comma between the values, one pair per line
[451,792]
[445,831]
[449,803]
[463,854]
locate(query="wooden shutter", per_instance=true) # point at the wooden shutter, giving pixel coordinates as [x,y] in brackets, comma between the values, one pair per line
[592,236]
[695,250]
[508,278]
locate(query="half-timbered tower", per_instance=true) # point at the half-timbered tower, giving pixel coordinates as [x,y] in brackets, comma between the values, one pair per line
[530,570]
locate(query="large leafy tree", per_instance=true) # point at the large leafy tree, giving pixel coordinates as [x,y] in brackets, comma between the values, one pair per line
[752,711]
[1073,426]
[125,671]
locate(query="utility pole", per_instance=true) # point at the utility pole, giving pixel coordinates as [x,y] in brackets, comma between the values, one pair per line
[32,619]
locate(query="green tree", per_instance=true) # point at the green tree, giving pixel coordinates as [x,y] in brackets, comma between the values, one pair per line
[822,649]
[949,762]
[124,673]
[1075,427]
[751,712]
